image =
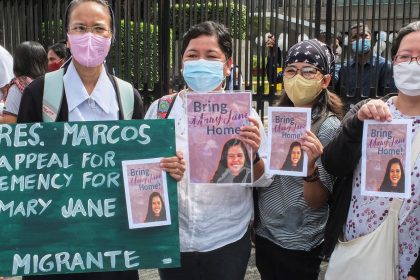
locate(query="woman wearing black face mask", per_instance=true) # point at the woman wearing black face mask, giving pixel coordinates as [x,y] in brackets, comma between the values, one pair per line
[347,145]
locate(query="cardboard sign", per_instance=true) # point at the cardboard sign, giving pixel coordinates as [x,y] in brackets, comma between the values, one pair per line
[286,126]
[217,154]
[62,203]
[386,158]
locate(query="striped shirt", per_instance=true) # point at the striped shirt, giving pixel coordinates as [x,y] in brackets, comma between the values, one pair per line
[285,217]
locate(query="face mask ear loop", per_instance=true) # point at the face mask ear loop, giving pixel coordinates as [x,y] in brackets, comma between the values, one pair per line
[224,84]
[185,83]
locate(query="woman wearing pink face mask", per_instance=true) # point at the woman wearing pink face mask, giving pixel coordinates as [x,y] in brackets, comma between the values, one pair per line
[90,94]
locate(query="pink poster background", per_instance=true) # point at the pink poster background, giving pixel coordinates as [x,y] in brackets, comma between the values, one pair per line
[205,150]
[376,163]
[279,144]
[139,198]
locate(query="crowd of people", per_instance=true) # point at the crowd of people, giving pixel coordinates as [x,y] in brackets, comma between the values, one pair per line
[291,220]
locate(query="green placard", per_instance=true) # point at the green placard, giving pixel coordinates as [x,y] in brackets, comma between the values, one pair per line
[62,203]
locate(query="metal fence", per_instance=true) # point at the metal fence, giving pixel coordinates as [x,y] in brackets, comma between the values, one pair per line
[149,33]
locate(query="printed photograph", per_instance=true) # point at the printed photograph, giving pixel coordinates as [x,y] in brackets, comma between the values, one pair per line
[286,126]
[217,154]
[234,165]
[394,177]
[146,193]
[384,158]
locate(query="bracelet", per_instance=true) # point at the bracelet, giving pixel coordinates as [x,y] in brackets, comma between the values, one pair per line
[256,159]
[313,177]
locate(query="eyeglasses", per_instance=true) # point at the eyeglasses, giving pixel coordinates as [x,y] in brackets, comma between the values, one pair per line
[307,72]
[82,29]
[406,58]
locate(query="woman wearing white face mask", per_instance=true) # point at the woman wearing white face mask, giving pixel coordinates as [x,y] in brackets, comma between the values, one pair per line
[342,158]
[293,211]
[90,93]
[213,222]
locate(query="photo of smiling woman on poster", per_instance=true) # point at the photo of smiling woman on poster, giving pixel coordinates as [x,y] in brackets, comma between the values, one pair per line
[394,178]
[156,210]
[234,164]
[294,159]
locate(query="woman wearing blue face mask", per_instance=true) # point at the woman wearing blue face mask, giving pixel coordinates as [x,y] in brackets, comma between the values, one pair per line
[213,222]
[352,221]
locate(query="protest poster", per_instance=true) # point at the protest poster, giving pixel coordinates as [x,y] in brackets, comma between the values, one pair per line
[62,202]
[146,193]
[217,154]
[386,158]
[286,126]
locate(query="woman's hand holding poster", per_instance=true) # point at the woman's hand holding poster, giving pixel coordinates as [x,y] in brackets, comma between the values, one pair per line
[386,158]
[217,154]
[286,126]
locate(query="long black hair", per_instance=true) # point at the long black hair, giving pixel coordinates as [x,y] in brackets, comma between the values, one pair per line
[325,102]
[30,60]
[288,162]
[386,182]
[150,217]
[221,168]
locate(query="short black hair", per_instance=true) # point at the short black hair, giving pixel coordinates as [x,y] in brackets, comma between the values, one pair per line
[30,59]
[210,28]
[60,50]
[404,31]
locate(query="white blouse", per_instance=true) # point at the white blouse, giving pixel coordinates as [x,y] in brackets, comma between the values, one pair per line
[210,217]
[102,104]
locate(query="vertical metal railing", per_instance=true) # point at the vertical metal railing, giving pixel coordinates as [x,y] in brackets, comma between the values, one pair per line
[148,39]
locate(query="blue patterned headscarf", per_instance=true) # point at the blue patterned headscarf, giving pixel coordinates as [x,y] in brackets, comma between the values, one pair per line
[312,52]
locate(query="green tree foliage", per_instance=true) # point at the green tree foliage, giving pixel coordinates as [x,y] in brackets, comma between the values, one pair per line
[135,53]
[232,15]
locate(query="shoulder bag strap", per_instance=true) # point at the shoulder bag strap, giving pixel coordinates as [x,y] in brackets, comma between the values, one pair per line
[126,91]
[165,105]
[53,95]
